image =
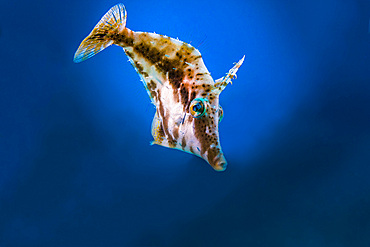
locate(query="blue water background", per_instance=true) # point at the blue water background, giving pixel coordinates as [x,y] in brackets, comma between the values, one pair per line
[76,167]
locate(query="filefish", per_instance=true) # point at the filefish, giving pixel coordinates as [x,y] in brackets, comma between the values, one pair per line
[177,81]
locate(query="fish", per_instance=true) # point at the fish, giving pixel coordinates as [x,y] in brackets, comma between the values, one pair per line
[185,96]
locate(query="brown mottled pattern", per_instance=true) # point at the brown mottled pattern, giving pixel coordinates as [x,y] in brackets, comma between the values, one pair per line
[174,67]
[206,140]
[125,37]
[171,141]
[183,143]
[178,70]
[174,75]
[151,86]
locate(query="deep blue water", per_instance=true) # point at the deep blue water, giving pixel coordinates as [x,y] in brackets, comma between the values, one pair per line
[76,167]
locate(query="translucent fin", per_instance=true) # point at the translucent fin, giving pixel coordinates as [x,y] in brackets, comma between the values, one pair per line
[158,133]
[114,21]
[221,83]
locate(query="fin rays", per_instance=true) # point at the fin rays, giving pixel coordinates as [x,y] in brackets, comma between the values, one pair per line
[221,83]
[113,21]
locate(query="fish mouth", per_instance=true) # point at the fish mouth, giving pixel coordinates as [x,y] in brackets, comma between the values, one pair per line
[219,163]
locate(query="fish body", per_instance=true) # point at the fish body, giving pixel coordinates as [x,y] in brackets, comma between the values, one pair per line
[177,81]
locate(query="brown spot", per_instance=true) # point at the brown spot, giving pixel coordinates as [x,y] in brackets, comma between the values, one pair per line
[184,95]
[139,67]
[192,96]
[183,143]
[130,54]
[212,153]
[175,76]
[155,55]
[124,38]
[171,141]
[161,133]
[99,36]
[153,94]
[151,86]
[178,55]
[175,134]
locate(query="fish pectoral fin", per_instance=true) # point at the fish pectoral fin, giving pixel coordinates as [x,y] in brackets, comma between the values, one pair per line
[157,131]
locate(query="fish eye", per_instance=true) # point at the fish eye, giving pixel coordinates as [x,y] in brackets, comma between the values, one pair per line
[220,113]
[198,107]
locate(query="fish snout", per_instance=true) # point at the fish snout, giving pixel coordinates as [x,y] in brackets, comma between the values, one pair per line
[219,163]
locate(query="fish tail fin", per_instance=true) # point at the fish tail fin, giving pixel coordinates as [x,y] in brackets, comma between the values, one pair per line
[113,22]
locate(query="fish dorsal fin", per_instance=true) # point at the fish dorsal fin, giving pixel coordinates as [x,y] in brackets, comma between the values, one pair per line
[221,83]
